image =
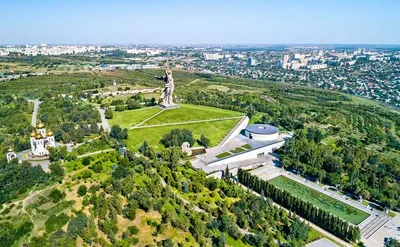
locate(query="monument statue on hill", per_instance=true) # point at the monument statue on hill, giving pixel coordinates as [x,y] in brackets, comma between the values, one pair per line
[167,93]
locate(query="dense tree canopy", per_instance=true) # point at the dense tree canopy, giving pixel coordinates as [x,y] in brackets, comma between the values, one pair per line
[176,137]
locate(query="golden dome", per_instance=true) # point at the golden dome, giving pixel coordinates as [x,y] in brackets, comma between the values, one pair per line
[40,125]
[49,133]
[10,150]
[39,136]
[33,134]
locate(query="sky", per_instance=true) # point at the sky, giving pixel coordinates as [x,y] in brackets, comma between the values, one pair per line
[199,22]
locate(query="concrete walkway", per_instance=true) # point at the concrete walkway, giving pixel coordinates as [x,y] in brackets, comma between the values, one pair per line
[181,123]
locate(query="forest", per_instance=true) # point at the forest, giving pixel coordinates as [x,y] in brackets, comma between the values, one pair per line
[157,198]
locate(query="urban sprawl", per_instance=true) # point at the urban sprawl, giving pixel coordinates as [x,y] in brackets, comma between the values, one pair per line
[372,72]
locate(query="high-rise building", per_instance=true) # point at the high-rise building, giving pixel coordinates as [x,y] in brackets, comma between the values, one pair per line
[251,61]
[286,58]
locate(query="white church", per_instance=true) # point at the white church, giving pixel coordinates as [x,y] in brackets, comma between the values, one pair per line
[41,141]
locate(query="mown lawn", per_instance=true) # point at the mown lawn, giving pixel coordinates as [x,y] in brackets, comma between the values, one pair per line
[223,155]
[126,119]
[191,113]
[320,200]
[216,131]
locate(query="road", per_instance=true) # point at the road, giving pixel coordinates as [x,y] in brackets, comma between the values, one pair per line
[104,121]
[187,122]
[35,110]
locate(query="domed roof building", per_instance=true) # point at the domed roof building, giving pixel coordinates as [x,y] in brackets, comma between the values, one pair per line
[41,141]
[11,154]
[262,132]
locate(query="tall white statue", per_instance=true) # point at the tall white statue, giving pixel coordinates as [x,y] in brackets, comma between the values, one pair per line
[167,93]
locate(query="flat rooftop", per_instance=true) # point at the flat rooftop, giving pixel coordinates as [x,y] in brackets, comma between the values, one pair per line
[239,140]
[262,129]
[323,242]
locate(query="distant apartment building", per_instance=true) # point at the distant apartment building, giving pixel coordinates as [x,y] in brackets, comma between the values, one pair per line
[301,61]
[318,66]
[213,56]
[251,62]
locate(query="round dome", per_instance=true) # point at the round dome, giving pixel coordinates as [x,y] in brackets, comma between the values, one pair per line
[262,132]
[262,129]
[49,133]
[40,126]
[39,136]
[10,150]
[33,134]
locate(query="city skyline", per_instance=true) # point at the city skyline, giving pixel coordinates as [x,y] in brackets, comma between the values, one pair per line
[178,22]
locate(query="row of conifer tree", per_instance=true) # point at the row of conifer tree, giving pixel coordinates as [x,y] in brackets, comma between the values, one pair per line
[322,218]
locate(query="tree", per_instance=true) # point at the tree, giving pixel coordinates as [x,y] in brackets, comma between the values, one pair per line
[56,195]
[167,243]
[82,190]
[176,137]
[227,176]
[204,141]
[143,148]
[57,170]
[298,230]
[391,242]
[94,128]
[130,211]
[108,113]
[86,161]
[118,133]
[220,241]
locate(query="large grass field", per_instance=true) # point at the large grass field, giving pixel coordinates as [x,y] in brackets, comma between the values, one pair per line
[191,113]
[127,119]
[216,131]
[320,200]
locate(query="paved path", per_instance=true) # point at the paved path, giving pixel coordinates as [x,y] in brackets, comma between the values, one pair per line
[104,121]
[147,119]
[187,122]
[96,152]
[330,235]
[35,110]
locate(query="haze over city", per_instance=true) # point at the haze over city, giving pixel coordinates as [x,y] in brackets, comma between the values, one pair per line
[199,22]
